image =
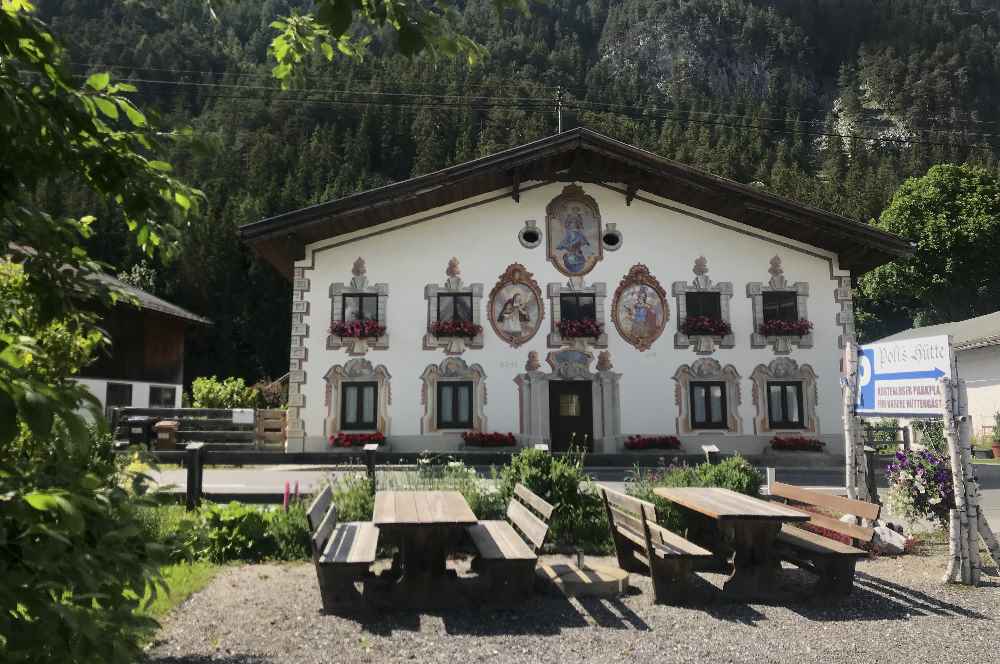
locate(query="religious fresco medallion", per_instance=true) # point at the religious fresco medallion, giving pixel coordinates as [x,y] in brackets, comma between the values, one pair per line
[515,306]
[639,309]
[573,225]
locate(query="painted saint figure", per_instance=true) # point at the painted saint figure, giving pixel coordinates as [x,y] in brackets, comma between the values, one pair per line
[642,315]
[514,316]
[573,240]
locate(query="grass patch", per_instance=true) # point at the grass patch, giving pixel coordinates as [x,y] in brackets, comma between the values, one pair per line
[183,580]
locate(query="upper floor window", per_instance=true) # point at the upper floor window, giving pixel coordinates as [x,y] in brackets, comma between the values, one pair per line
[700,303]
[358,406]
[784,404]
[454,405]
[708,405]
[577,306]
[454,307]
[781,305]
[359,307]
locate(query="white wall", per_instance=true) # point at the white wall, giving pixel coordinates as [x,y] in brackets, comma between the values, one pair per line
[484,238]
[140,390]
[980,367]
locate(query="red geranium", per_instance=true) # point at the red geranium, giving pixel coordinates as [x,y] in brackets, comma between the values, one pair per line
[357,329]
[785,328]
[797,443]
[482,439]
[637,442]
[574,329]
[455,328]
[705,325]
[356,439]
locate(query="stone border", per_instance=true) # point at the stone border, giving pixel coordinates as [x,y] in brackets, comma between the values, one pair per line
[707,369]
[452,369]
[755,291]
[703,344]
[844,296]
[554,291]
[358,285]
[785,369]
[295,432]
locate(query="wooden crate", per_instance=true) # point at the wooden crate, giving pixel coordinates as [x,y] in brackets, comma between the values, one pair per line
[270,429]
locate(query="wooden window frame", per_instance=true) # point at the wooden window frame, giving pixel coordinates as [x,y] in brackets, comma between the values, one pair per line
[799,397]
[577,296]
[723,423]
[789,295]
[360,424]
[456,385]
[171,388]
[361,297]
[453,296]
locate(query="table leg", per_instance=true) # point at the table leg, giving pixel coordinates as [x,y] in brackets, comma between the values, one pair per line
[425,580]
[754,565]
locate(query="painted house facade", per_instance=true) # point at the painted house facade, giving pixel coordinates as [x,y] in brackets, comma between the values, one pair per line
[574,289]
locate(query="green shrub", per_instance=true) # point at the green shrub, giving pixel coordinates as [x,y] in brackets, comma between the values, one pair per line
[931,435]
[579,518]
[235,532]
[229,393]
[288,531]
[354,498]
[735,473]
[179,531]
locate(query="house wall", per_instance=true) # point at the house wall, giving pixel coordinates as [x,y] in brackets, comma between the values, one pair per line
[482,233]
[140,390]
[980,367]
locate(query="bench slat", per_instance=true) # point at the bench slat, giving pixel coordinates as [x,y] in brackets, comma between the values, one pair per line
[318,508]
[533,501]
[859,508]
[627,503]
[836,525]
[529,524]
[322,532]
[627,521]
[497,540]
[635,538]
[354,542]
[816,545]
[673,544]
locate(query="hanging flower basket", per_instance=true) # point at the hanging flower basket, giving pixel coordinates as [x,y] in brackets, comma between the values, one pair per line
[577,329]
[797,444]
[480,439]
[786,328]
[705,325]
[652,443]
[455,328]
[357,329]
[356,439]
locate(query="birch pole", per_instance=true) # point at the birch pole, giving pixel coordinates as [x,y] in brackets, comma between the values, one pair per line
[958,541]
[849,383]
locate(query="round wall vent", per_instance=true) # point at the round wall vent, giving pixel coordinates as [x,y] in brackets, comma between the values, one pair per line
[612,238]
[530,236]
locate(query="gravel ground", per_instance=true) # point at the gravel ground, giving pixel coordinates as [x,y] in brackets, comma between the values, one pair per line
[899,612]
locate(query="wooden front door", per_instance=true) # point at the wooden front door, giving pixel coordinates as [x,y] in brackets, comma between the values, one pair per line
[571,414]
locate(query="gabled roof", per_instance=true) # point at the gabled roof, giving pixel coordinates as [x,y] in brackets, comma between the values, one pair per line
[577,155]
[150,302]
[977,332]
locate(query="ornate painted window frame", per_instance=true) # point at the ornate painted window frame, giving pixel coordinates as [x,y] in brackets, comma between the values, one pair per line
[785,369]
[453,284]
[357,370]
[569,364]
[755,291]
[452,369]
[707,369]
[703,344]
[576,286]
[358,286]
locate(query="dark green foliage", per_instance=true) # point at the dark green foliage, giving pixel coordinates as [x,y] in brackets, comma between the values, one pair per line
[235,532]
[735,473]
[354,498]
[289,530]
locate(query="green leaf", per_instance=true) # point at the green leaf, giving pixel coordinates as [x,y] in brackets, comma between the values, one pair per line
[281,71]
[99,81]
[44,502]
[160,165]
[108,108]
[182,200]
[135,116]
[327,50]
[37,413]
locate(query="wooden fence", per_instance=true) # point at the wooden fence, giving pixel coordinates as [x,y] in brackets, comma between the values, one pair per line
[216,427]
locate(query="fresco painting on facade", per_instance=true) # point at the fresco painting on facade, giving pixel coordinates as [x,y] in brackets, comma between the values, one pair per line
[573,221]
[640,309]
[515,306]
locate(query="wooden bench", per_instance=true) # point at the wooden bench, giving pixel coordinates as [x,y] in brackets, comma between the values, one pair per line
[832,560]
[645,547]
[342,553]
[506,557]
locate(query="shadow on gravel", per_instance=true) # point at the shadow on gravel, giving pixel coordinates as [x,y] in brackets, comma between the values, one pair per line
[206,659]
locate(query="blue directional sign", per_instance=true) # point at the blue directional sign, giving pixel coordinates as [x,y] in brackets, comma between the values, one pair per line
[903,377]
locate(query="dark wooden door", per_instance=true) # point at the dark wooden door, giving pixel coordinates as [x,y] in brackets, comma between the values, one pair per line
[571,414]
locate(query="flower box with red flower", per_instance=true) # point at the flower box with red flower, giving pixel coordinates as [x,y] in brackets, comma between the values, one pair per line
[357,329]
[455,328]
[785,328]
[636,442]
[580,329]
[705,326]
[483,439]
[347,440]
[797,444]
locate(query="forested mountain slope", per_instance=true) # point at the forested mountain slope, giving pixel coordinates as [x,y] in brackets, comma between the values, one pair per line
[832,102]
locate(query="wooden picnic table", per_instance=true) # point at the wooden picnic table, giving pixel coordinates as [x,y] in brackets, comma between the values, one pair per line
[746,530]
[425,525]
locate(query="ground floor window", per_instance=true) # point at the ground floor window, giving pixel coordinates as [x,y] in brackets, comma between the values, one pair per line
[162,397]
[708,405]
[358,406]
[784,405]
[454,405]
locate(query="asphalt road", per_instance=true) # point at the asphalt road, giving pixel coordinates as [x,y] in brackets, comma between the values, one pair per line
[271,479]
